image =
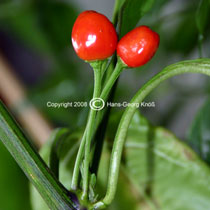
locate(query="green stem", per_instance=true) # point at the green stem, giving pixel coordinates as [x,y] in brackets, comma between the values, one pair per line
[90,128]
[108,86]
[98,66]
[109,69]
[201,66]
[54,194]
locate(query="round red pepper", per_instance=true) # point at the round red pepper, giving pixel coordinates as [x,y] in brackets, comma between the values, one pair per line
[138,46]
[93,36]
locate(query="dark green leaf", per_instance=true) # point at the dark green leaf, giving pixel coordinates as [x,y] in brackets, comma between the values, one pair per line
[202,15]
[199,134]
[56,20]
[58,137]
[131,13]
[166,172]
[183,38]
[117,8]
[24,24]
[42,25]
[66,151]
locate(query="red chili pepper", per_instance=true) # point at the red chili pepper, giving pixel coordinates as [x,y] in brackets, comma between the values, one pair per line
[138,46]
[93,36]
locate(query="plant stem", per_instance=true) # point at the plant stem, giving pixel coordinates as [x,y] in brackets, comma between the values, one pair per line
[108,86]
[54,194]
[89,131]
[105,93]
[201,66]
[97,66]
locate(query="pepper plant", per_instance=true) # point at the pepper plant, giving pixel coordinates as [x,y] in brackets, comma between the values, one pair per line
[81,169]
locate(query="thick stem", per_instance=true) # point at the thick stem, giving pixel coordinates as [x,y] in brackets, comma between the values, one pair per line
[201,66]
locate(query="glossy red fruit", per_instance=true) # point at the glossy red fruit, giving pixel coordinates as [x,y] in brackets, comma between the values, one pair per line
[138,46]
[93,36]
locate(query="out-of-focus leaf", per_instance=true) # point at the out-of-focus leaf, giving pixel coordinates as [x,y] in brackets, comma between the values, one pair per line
[14,191]
[56,19]
[158,4]
[167,170]
[8,8]
[24,24]
[117,8]
[202,15]
[131,13]
[199,133]
[66,152]
[43,25]
[184,38]
[58,137]
[59,87]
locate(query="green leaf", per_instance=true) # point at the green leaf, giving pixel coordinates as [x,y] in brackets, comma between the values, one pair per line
[132,11]
[55,195]
[202,15]
[117,8]
[165,171]
[65,149]
[56,20]
[24,24]
[199,133]
[43,25]
[184,38]
[58,137]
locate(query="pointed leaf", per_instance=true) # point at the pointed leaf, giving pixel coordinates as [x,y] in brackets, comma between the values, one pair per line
[202,15]
[169,173]
[132,11]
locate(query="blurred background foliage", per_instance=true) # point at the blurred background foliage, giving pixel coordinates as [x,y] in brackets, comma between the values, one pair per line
[35,38]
